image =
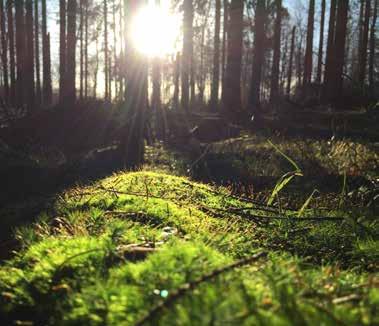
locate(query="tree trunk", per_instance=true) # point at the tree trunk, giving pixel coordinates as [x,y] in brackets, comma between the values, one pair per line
[20,51]
[115,66]
[372,48]
[106,59]
[47,77]
[290,64]
[121,59]
[86,50]
[330,52]
[81,38]
[156,99]
[202,72]
[216,56]
[224,41]
[284,63]
[96,70]
[4,52]
[233,68]
[357,51]
[12,62]
[186,65]
[274,93]
[321,43]
[362,64]
[156,95]
[62,50]
[136,99]
[175,100]
[299,61]
[29,58]
[38,62]
[308,62]
[109,76]
[71,53]
[47,86]
[258,55]
[340,42]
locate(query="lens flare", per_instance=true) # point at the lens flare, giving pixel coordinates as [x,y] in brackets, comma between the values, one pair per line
[155,31]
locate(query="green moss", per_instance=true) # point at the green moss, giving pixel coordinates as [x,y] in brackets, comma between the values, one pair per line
[73,269]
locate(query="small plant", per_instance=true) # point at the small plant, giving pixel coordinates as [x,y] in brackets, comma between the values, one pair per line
[306,203]
[286,178]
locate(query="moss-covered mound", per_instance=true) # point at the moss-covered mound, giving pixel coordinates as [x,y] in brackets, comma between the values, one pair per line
[154,249]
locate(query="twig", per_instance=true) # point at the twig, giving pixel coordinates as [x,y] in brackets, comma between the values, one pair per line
[329,313]
[184,289]
[347,298]
[273,208]
[206,151]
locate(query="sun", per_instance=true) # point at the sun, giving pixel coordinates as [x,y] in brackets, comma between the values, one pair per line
[156,31]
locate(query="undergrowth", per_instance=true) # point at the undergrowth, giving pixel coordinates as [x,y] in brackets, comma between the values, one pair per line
[144,248]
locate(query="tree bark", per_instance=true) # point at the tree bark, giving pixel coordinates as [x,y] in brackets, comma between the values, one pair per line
[156,96]
[71,53]
[321,43]
[136,97]
[29,58]
[290,64]
[37,55]
[175,99]
[86,50]
[372,48]
[330,52]
[115,66]
[187,53]
[224,45]
[12,59]
[20,51]
[96,70]
[62,50]
[284,62]
[216,56]
[233,68]
[340,42]
[81,38]
[308,62]
[357,51]
[362,65]
[274,93]
[121,59]
[4,52]
[47,86]
[106,59]
[258,55]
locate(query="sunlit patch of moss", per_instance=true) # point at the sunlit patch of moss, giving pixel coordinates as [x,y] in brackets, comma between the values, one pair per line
[41,276]
[132,289]
[146,186]
[72,268]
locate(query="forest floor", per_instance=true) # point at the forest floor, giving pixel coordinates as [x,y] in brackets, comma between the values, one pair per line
[250,232]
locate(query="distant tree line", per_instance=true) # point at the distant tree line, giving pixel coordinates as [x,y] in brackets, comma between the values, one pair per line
[235,56]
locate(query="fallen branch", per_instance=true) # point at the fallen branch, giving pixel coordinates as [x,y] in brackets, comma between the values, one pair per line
[184,289]
[258,218]
[295,219]
[231,210]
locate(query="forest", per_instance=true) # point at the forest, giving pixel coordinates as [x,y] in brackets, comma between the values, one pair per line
[189,162]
